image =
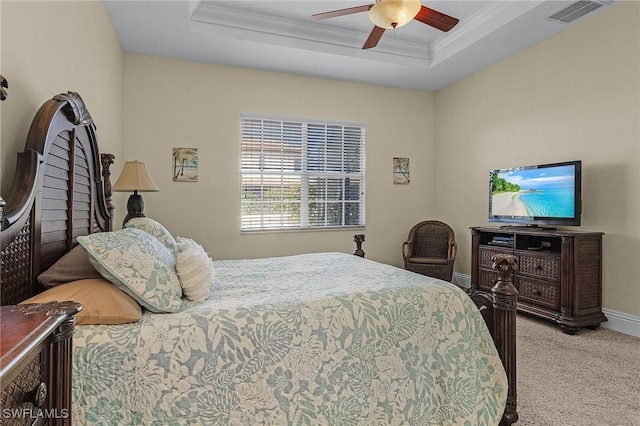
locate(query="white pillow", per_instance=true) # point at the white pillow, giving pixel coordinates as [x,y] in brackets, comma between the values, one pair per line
[184,243]
[195,271]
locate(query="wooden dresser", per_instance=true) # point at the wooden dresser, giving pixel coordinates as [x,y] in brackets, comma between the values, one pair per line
[559,275]
[36,363]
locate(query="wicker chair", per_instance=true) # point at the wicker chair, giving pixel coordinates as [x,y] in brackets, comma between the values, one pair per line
[430,250]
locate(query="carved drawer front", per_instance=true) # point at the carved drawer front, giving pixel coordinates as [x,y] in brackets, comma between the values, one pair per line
[486,253]
[542,293]
[22,397]
[487,279]
[540,266]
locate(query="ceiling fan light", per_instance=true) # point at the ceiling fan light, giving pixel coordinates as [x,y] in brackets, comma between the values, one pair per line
[394,13]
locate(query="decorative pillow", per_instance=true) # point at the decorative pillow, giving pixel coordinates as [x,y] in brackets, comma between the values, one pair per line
[137,264]
[195,270]
[184,243]
[154,228]
[102,302]
[73,266]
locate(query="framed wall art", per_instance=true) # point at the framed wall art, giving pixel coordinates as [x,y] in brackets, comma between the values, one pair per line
[400,171]
[185,164]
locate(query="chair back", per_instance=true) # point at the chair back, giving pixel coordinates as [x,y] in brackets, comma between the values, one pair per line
[431,238]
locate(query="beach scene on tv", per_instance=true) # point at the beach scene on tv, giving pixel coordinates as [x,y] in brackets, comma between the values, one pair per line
[542,192]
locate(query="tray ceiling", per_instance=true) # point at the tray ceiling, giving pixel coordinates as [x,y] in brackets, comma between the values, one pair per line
[280,36]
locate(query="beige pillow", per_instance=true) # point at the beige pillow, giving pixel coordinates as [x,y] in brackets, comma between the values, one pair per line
[102,302]
[73,266]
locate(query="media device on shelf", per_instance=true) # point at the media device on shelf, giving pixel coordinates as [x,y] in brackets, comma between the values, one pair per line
[502,241]
[530,196]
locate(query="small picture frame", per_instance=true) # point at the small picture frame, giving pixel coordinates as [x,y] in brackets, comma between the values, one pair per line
[185,164]
[401,171]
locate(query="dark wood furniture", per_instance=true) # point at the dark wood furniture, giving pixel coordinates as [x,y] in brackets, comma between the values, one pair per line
[62,190]
[57,195]
[559,276]
[36,363]
[358,239]
[430,249]
[4,84]
[498,309]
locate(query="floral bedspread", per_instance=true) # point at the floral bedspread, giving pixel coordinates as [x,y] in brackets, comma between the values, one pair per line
[319,339]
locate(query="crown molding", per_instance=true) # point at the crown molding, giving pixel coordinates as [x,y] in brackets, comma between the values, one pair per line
[488,20]
[230,22]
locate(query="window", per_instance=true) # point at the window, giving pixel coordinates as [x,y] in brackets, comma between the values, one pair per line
[301,174]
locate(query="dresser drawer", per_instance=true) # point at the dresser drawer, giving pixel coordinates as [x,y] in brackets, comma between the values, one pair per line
[486,253]
[24,396]
[546,267]
[542,293]
[487,278]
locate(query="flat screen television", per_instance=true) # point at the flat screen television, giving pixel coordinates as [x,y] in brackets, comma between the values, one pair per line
[544,194]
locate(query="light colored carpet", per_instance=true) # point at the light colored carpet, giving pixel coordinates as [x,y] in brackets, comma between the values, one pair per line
[590,378]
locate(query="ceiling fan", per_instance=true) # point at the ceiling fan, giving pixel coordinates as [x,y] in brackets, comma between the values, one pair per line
[387,14]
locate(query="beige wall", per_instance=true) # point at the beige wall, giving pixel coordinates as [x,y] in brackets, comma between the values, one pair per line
[573,96]
[55,47]
[172,103]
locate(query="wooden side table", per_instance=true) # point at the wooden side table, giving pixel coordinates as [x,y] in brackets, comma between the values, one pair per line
[36,363]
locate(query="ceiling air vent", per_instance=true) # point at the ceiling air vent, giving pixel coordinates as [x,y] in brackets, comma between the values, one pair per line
[577,10]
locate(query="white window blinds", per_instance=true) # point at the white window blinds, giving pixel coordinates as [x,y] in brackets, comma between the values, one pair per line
[301,174]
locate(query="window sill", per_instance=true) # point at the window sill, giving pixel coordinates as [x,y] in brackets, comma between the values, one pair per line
[299,230]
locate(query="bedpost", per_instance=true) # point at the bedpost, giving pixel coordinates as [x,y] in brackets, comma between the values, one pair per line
[358,239]
[505,303]
[2,203]
[3,86]
[107,161]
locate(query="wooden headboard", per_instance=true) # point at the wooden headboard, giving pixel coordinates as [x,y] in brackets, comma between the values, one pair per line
[61,190]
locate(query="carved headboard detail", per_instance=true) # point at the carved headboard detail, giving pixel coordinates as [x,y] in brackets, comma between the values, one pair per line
[57,194]
[3,86]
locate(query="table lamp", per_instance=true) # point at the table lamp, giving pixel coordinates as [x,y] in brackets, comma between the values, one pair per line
[134,177]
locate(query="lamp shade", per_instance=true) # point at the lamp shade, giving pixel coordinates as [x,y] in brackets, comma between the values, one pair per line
[394,13]
[134,177]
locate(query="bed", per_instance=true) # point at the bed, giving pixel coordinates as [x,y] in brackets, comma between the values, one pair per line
[277,341]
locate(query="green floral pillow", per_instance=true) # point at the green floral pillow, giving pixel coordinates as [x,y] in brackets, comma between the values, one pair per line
[155,228]
[138,264]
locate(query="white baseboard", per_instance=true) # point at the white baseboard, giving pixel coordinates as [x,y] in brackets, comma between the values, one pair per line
[462,280]
[624,323]
[618,321]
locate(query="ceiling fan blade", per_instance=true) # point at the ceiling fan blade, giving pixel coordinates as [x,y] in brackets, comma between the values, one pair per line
[436,19]
[374,37]
[341,12]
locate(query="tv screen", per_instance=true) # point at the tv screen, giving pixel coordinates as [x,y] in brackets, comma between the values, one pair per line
[545,194]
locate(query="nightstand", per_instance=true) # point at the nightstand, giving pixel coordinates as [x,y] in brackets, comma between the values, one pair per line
[36,363]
